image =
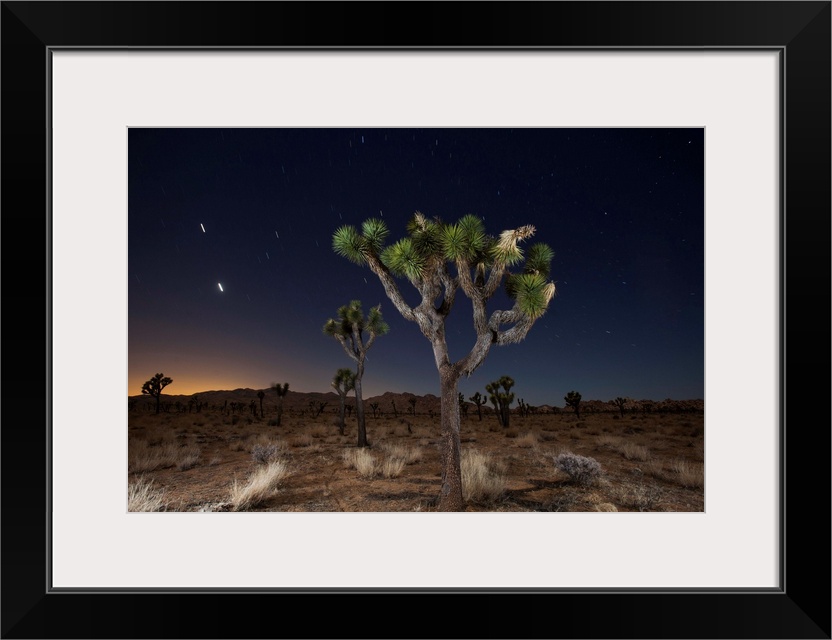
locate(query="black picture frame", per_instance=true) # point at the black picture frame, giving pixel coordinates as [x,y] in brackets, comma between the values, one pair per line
[800,608]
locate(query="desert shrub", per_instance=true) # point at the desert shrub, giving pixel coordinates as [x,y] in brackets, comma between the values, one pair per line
[641,496]
[265,453]
[580,469]
[260,486]
[273,422]
[143,496]
[482,479]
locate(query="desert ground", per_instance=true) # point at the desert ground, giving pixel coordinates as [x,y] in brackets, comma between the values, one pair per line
[218,452]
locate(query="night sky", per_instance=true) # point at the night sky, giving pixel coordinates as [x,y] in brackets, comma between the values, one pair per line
[232,273]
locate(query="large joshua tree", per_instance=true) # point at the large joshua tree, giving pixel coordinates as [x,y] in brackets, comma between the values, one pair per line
[154,386]
[439,259]
[349,329]
[343,383]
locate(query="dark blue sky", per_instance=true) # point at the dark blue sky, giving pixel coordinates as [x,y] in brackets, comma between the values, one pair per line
[623,210]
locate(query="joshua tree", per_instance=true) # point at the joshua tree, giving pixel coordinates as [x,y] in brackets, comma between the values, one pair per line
[573,399]
[501,398]
[440,259]
[154,386]
[620,403]
[349,330]
[374,407]
[462,406]
[412,403]
[281,390]
[260,395]
[478,400]
[395,411]
[343,383]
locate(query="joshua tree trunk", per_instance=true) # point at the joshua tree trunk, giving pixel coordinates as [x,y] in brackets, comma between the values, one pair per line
[359,408]
[450,495]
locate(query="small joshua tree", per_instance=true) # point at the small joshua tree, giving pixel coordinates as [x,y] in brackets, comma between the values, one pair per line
[462,406]
[154,386]
[260,395]
[412,403]
[478,400]
[281,391]
[374,407]
[349,329]
[573,399]
[620,403]
[440,259]
[501,397]
[343,383]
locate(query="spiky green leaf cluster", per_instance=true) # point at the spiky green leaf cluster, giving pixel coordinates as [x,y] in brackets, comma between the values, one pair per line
[404,259]
[347,242]
[352,316]
[373,233]
[539,259]
[465,240]
[531,292]
[375,323]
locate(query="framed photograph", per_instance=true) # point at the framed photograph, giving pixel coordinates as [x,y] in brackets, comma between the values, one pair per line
[85,85]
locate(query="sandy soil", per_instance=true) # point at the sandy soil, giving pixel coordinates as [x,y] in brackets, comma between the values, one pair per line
[649,462]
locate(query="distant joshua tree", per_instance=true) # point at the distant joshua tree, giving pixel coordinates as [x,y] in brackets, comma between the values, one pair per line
[573,399]
[501,398]
[395,411]
[374,407]
[412,403]
[620,403]
[281,390]
[349,329]
[154,386]
[478,400]
[343,383]
[462,406]
[260,395]
[440,260]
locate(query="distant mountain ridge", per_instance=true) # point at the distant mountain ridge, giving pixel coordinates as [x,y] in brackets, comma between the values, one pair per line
[299,401]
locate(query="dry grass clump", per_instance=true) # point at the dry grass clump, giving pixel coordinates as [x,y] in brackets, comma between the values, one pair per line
[482,479]
[144,457]
[362,461]
[188,457]
[302,440]
[143,496]
[608,441]
[392,467]
[527,441]
[407,453]
[605,506]
[632,451]
[261,485]
[688,474]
